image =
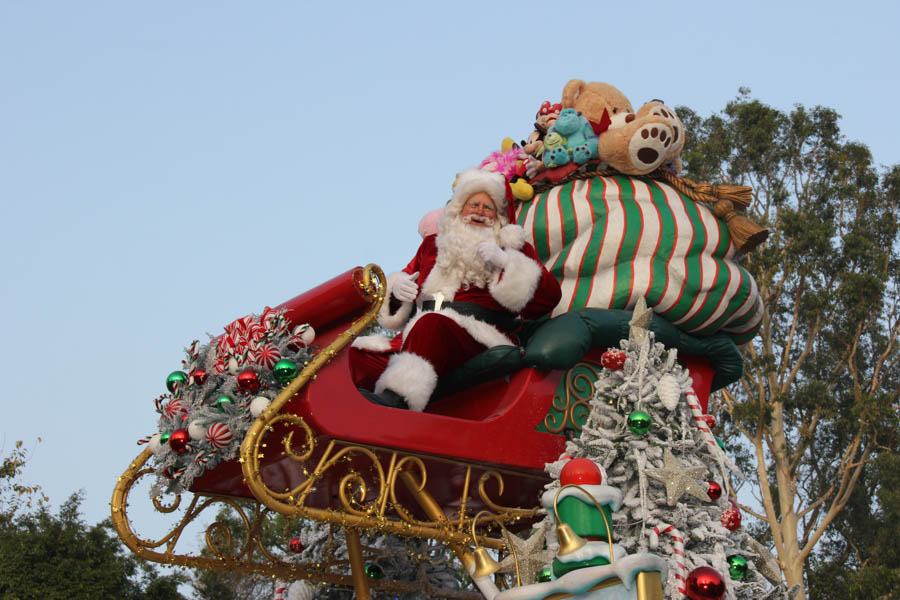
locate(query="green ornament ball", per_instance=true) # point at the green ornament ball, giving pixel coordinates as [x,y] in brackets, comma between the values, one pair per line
[720,443]
[285,370]
[544,575]
[737,566]
[373,571]
[639,422]
[178,378]
[223,402]
[164,437]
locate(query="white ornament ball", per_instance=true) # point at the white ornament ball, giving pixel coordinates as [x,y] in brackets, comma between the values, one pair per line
[218,435]
[154,444]
[669,391]
[197,430]
[258,405]
[232,366]
[300,590]
[305,333]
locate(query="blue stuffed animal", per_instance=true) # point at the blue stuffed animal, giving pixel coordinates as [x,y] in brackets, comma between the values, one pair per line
[580,141]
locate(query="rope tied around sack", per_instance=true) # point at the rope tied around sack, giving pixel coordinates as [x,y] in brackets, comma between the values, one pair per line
[725,199]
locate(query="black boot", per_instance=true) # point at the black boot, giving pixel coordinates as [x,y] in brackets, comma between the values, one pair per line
[388,398]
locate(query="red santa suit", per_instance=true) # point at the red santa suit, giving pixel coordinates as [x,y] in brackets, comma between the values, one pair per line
[452,320]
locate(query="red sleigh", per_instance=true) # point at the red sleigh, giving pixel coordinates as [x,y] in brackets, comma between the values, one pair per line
[496,428]
[321,451]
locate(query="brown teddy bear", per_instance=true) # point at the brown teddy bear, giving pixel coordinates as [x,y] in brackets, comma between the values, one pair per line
[631,143]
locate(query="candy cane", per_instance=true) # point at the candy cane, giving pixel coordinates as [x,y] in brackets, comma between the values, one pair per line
[681,575]
[700,422]
[158,402]
[193,355]
[708,437]
[281,587]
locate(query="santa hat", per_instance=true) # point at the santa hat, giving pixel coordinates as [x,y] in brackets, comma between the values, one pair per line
[472,181]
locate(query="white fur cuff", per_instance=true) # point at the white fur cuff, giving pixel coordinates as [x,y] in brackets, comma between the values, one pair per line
[377,342]
[519,282]
[411,376]
[399,318]
[512,236]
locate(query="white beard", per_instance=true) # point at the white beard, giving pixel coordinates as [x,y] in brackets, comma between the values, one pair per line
[458,264]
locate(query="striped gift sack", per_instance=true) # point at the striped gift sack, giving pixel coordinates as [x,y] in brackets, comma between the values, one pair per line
[611,240]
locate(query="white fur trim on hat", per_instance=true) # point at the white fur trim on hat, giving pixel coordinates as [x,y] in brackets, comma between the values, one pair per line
[472,181]
[411,376]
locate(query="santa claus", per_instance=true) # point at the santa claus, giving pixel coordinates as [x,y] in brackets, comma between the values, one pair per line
[466,290]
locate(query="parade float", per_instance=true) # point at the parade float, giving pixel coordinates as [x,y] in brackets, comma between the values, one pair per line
[529,459]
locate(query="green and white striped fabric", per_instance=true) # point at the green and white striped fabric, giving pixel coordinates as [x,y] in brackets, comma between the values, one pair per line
[610,240]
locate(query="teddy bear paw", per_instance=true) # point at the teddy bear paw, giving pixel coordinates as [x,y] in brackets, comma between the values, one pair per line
[649,146]
[661,110]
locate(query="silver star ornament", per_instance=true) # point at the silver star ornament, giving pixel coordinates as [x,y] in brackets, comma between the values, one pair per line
[531,554]
[679,479]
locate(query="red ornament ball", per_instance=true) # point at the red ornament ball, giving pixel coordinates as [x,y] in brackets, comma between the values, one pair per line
[295,546]
[705,583]
[731,518]
[710,421]
[198,376]
[580,471]
[179,440]
[248,381]
[715,491]
[613,360]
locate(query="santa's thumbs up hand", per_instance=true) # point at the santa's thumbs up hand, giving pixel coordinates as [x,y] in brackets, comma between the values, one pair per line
[492,254]
[405,288]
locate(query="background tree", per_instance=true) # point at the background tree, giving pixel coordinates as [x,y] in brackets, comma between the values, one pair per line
[818,402]
[14,493]
[58,556]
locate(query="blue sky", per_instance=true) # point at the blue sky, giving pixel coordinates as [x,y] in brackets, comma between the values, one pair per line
[167,167]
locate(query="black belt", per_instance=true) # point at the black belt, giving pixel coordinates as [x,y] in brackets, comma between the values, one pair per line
[502,320]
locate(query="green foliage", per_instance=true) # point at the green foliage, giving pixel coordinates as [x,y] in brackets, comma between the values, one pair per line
[15,495]
[820,394]
[57,556]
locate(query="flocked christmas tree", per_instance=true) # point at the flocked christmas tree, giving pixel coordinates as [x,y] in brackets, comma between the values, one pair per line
[650,440]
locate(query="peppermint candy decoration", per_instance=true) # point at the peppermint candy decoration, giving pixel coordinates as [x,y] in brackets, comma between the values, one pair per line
[175,408]
[267,355]
[669,391]
[218,435]
[613,360]
[305,334]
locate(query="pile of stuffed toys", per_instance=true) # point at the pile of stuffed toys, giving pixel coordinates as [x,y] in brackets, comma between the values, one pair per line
[595,123]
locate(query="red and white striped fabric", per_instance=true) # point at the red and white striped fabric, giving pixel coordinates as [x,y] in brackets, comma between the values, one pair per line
[610,240]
